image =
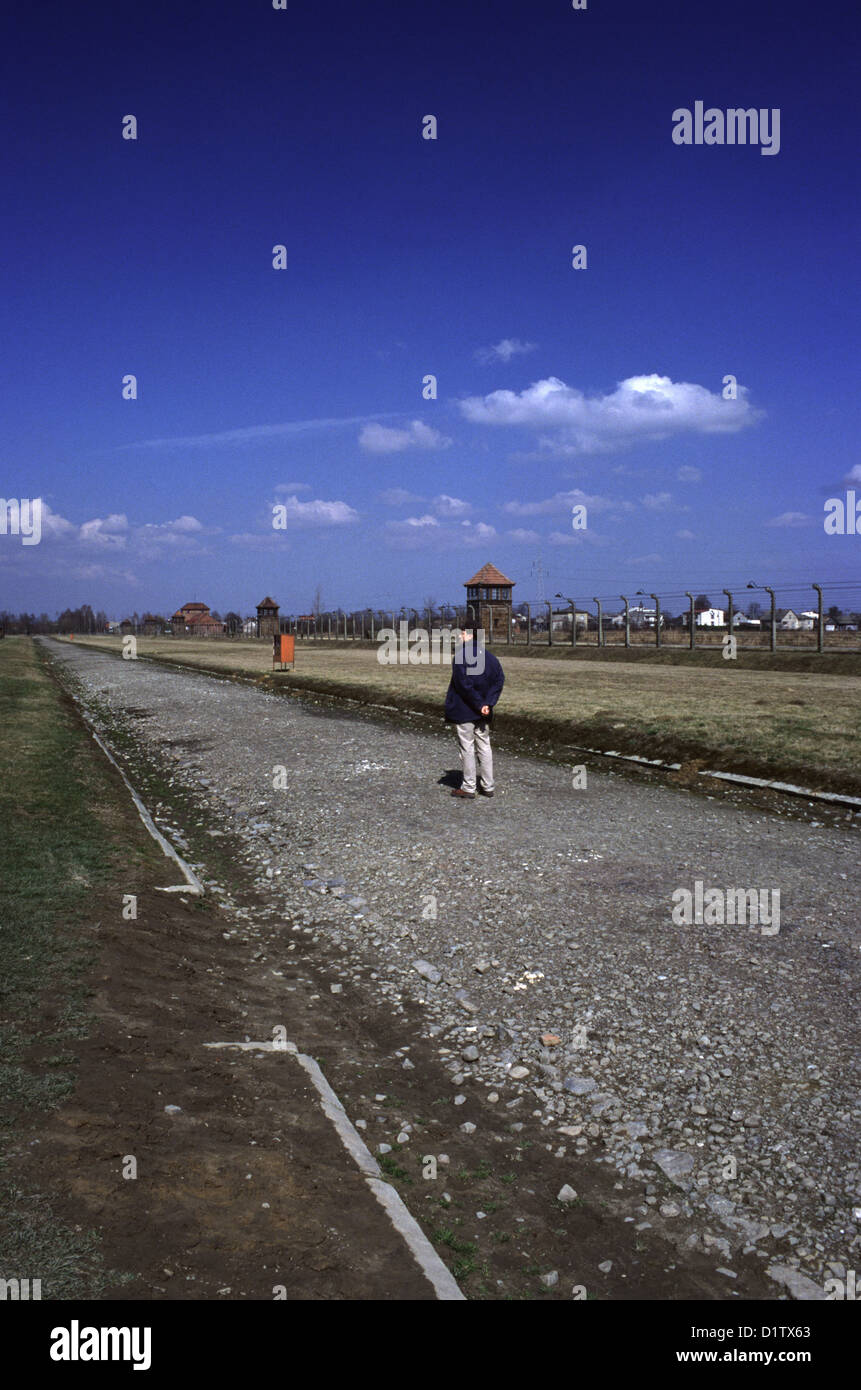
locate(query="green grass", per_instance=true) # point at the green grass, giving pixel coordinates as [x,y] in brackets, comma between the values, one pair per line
[389,1165]
[58,847]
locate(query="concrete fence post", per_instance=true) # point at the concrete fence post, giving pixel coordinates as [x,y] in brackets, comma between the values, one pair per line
[820,642]
[773,618]
[597,601]
[730,612]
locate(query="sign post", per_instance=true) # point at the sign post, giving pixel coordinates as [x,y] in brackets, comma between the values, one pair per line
[283,651]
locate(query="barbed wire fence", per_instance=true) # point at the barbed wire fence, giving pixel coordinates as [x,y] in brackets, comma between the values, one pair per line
[792,616]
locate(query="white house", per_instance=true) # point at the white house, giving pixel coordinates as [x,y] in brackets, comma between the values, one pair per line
[638,613]
[787,619]
[708,617]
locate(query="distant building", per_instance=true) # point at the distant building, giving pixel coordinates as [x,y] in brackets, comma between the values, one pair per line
[488,594]
[707,617]
[638,613]
[195,620]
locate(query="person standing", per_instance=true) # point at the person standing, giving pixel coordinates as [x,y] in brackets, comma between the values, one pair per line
[475,687]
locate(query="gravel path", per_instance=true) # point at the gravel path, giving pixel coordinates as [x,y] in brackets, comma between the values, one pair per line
[720,1054]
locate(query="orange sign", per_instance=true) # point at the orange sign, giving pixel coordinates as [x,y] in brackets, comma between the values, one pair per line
[284,650]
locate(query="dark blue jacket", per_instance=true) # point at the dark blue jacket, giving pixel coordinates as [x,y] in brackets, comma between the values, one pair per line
[468,690]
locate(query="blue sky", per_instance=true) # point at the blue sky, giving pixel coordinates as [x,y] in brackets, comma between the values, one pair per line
[406,257]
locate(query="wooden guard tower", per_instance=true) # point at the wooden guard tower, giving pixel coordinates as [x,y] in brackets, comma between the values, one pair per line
[268,621]
[489,592]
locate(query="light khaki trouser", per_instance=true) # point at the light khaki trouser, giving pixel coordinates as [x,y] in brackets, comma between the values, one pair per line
[475,739]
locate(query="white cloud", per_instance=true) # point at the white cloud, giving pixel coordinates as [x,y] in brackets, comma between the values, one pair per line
[657,501]
[652,559]
[854,474]
[477,531]
[293,487]
[564,501]
[107,531]
[504,350]
[255,540]
[55,525]
[524,537]
[450,506]
[420,532]
[688,474]
[686,535]
[249,434]
[580,537]
[641,408]
[383,439]
[789,519]
[317,513]
[178,535]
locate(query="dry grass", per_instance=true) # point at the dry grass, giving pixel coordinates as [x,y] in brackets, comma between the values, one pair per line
[797,725]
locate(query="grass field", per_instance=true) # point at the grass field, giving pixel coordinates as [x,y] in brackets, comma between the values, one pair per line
[57,850]
[794,725]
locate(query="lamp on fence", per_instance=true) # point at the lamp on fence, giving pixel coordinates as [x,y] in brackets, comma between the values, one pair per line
[573,603]
[627,621]
[597,601]
[773,613]
[657,615]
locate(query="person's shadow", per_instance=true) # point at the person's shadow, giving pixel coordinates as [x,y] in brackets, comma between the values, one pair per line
[451,779]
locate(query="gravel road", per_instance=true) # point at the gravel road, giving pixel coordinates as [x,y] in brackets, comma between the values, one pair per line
[720,1056]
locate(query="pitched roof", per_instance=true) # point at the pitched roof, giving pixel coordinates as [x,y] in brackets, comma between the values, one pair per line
[267,603]
[192,607]
[489,574]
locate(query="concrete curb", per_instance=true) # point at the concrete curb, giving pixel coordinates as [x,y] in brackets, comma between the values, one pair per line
[443,1282]
[835,798]
[438,1276]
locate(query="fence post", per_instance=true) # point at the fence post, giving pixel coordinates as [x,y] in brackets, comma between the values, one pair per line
[773,618]
[549,622]
[489,638]
[692,642]
[600,622]
[627,621]
[730,612]
[657,619]
[820,644]
[528,608]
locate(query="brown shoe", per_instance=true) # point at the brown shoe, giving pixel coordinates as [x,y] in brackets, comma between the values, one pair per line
[482,792]
[467,796]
